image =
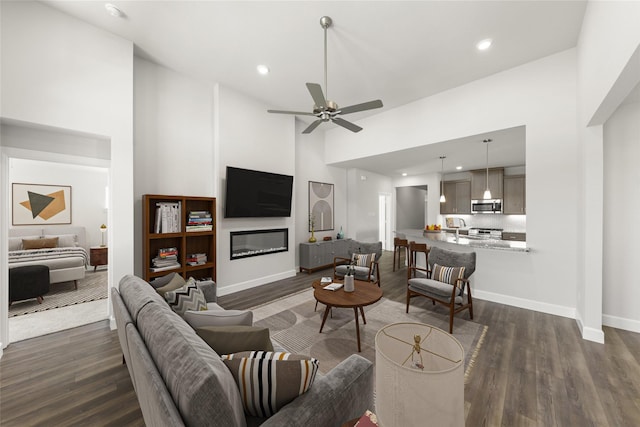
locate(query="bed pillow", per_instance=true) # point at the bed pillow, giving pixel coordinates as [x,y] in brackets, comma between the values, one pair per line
[65,240]
[269,380]
[40,243]
[15,243]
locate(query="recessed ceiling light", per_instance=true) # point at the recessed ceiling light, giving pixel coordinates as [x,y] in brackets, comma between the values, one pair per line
[404,174]
[113,10]
[458,167]
[484,44]
[263,69]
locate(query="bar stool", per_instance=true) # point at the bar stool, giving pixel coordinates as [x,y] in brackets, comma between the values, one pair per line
[414,250]
[399,244]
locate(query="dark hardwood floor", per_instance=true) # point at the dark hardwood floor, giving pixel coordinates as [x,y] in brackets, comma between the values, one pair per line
[533,369]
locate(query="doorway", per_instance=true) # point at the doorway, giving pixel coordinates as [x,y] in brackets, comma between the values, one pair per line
[384,217]
[39,155]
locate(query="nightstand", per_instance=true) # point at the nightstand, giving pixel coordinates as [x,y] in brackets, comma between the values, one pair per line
[98,256]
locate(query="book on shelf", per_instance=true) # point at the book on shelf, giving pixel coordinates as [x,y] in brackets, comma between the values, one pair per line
[165,252]
[168,217]
[199,221]
[168,267]
[196,259]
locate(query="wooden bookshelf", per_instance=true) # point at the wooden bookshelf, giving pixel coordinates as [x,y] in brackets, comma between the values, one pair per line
[187,242]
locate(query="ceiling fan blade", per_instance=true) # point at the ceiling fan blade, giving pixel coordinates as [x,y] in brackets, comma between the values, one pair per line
[298,113]
[312,126]
[345,124]
[316,93]
[361,107]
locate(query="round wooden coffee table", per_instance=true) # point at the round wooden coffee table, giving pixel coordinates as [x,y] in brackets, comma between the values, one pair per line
[366,293]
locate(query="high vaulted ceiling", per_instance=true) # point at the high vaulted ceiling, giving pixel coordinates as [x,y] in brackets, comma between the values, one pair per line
[396,51]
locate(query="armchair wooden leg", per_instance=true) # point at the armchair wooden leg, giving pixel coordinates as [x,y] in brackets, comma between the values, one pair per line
[408,298]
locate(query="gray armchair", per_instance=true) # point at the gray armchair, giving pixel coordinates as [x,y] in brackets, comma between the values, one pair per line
[369,273]
[445,285]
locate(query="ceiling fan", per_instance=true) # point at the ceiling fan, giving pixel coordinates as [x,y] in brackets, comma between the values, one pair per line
[324,109]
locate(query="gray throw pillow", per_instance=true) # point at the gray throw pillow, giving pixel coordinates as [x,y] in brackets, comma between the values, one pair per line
[234,339]
[159,282]
[175,283]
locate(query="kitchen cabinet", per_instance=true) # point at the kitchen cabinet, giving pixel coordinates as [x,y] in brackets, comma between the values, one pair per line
[479,183]
[514,237]
[458,197]
[514,201]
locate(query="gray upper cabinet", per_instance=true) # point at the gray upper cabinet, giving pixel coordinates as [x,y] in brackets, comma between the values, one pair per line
[458,197]
[514,201]
[479,183]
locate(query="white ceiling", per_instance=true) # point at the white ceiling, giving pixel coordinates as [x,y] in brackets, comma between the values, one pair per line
[396,51]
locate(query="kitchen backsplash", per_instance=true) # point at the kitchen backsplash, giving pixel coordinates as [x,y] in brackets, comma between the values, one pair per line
[517,223]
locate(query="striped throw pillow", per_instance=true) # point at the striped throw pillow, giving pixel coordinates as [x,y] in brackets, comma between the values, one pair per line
[188,297]
[269,380]
[447,274]
[363,260]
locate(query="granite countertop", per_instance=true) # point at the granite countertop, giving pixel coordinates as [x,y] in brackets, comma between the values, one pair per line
[442,236]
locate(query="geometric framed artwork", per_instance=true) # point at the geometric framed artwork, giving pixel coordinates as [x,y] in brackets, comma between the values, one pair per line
[35,204]
[321,205]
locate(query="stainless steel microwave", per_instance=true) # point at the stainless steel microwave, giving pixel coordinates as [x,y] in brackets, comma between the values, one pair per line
[486,206]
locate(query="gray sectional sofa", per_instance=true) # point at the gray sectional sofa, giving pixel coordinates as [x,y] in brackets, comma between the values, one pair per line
[180,380]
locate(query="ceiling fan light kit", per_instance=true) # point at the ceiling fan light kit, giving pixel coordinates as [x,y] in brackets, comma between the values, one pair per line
[323,109]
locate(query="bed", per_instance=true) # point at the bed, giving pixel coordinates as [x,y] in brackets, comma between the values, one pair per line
[67,261]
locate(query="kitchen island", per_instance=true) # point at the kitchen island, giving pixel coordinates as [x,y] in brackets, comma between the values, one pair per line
[463,240]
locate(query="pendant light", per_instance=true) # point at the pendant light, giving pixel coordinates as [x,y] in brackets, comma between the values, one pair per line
[442,198]
[487,192]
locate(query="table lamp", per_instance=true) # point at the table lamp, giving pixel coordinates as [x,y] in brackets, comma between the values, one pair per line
[103,230]
[419,376]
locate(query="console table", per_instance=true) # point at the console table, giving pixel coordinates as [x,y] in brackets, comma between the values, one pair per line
[319,255]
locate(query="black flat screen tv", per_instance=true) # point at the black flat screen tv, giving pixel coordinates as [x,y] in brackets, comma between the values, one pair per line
[256,194]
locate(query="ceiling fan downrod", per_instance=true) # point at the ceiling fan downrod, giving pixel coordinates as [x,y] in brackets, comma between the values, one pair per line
[325,22]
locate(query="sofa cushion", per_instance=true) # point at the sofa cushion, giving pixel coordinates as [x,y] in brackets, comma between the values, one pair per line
[234,339]
[200,384]
[429,287]
[176,282]
[448,275]
[136,293]
[269,380]
[188,297]
[218,317]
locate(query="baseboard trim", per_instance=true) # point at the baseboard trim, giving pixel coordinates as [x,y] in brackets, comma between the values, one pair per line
[621,323]
[589,334]
[543,307]
[226,290]
[112,323]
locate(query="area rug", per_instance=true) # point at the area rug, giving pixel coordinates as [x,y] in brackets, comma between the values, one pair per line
[294,322]
[92,288]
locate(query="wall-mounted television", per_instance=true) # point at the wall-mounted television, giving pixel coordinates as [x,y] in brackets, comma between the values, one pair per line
[256,194]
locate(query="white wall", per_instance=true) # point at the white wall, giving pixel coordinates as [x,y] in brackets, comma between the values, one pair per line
[621,229]
[363,213]
[310,166]
[608,68]
[540,95]
[173,138]
[60,72]
[246,136]
[88,185]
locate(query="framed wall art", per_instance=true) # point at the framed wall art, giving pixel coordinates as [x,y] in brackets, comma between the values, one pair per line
[35,204]
[321,206]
